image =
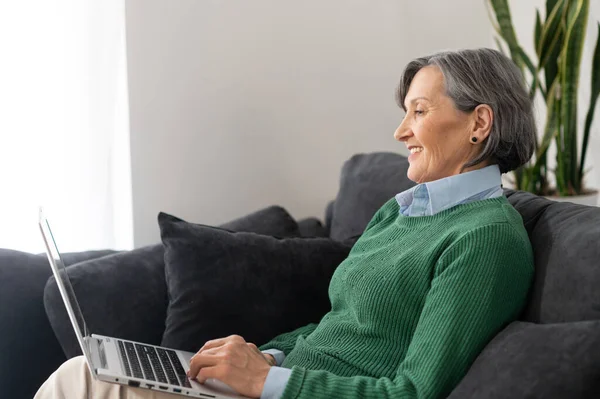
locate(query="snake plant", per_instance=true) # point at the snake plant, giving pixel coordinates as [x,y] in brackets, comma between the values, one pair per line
[558,42]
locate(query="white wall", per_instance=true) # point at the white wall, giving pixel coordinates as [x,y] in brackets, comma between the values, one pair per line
[236,105]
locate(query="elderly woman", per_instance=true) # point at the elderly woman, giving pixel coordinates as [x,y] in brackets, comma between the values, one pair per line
[439,270]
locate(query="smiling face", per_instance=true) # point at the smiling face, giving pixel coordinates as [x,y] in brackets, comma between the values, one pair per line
[435,131]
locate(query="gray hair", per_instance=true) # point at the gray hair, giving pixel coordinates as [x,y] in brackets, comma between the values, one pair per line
[485,76]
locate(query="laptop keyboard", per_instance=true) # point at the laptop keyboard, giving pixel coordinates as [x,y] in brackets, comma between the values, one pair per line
[155,364]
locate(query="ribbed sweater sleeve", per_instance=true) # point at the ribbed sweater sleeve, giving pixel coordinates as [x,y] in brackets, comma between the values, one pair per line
[480,284]
[285,342]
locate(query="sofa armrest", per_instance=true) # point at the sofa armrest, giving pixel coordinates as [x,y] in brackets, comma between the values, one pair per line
[25,333]
[122,295]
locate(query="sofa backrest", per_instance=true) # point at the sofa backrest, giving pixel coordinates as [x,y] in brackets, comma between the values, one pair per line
[566,243]
[367,181]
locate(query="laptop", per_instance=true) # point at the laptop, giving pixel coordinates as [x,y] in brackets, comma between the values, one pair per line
[127,362]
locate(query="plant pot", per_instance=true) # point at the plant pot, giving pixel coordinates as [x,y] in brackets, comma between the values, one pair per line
[590,199]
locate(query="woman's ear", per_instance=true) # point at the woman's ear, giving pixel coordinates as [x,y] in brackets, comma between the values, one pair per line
[483,118]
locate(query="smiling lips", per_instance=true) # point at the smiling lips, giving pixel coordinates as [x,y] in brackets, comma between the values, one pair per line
[414,151]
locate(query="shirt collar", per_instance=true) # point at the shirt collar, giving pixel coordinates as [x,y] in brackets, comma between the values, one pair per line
[449,191]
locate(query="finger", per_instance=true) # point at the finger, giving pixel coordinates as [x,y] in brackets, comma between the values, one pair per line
[210,351]
[237,338]
[255,349]
[213,351]
[213,343]
[220,372]
[253,346]
[203,360]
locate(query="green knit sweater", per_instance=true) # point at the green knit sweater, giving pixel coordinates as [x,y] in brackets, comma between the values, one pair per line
[413,304]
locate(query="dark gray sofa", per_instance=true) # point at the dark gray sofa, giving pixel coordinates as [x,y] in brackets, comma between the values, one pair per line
[551,351]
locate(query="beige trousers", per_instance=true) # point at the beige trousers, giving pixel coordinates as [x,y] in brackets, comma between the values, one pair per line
[73,380]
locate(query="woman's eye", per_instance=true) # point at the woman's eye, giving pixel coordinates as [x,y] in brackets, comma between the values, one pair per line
[419,112]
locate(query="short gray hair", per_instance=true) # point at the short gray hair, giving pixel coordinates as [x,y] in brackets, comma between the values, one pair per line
[485,76]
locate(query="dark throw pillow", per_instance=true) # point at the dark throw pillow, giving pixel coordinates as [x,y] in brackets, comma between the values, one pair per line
[222,282]
[272,220]
[527,360]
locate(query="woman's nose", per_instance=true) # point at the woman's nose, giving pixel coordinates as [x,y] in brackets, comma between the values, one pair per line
[403,132]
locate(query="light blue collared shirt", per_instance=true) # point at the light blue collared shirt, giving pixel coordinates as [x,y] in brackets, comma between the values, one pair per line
[429,198]
[424,199]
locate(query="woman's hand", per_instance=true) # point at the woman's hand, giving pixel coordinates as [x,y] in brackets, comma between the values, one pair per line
[232,360]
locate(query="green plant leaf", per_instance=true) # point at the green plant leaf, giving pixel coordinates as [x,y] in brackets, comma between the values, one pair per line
[538,29]
[550,130]
[549,6]
[499,45]
[534,73]
[551,66]
[546,42]
[526,60]
[590,113]
[505,29]
[559,40]
[551,31]
[569,68]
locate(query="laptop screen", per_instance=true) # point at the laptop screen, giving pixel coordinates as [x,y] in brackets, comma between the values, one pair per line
[64,284]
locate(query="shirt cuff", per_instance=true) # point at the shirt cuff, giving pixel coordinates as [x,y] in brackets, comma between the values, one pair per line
[275,383]
[277,354]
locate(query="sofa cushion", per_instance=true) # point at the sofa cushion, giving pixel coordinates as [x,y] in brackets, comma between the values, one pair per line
[566,243]
[115,292]
[366,183]
[528,360]
[221,282]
